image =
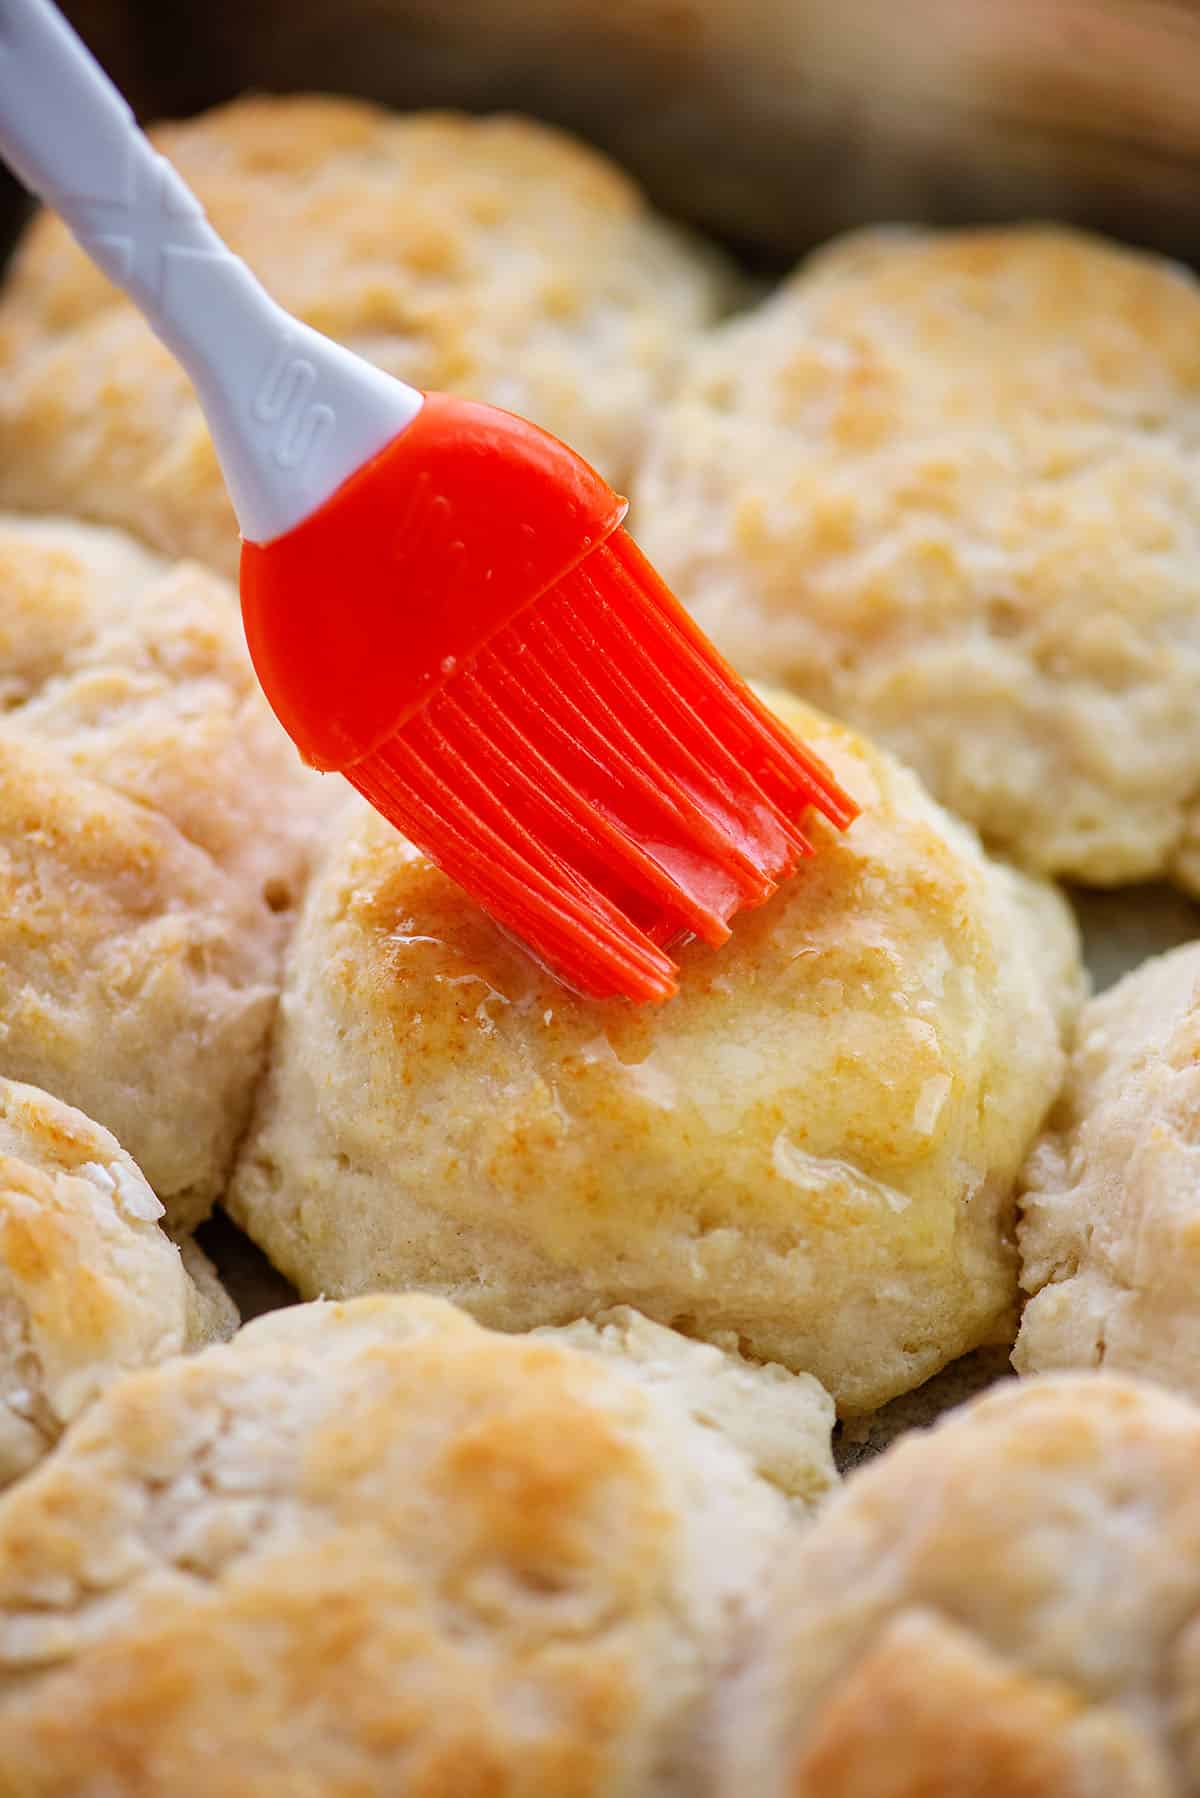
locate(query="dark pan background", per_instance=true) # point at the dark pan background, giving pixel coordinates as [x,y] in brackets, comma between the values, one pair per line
[772,123]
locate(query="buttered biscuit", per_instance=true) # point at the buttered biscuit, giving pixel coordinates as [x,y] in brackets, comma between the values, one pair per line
[809,1153]
[946,486]
[493,257]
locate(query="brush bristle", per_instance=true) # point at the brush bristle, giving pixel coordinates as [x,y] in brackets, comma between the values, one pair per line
[599,780]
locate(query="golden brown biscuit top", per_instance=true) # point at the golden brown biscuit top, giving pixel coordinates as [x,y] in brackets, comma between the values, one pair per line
[1015,329]
[842,1024]
[371,1548]
[451,197]
[492,256]
[125,671]
[947,418]
[809,1152]
[945,484]
[1011,1600]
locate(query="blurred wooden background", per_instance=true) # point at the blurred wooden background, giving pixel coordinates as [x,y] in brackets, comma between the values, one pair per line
[771,122]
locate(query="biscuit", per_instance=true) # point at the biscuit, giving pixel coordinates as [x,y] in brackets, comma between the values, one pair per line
[90,1287]
[1007,1605]
[946,486]
[493,257]
[809,1153]
[372,1548]
[155,830]
[1110,1227]
[780,1421]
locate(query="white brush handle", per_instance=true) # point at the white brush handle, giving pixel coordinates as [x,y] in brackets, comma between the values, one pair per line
[292,414]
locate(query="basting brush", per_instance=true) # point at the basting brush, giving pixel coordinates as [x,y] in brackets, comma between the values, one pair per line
[439,598]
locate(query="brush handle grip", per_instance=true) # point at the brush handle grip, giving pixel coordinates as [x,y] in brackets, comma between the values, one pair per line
[292,414]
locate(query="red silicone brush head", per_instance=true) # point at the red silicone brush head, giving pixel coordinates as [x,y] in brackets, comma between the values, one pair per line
[467,634]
